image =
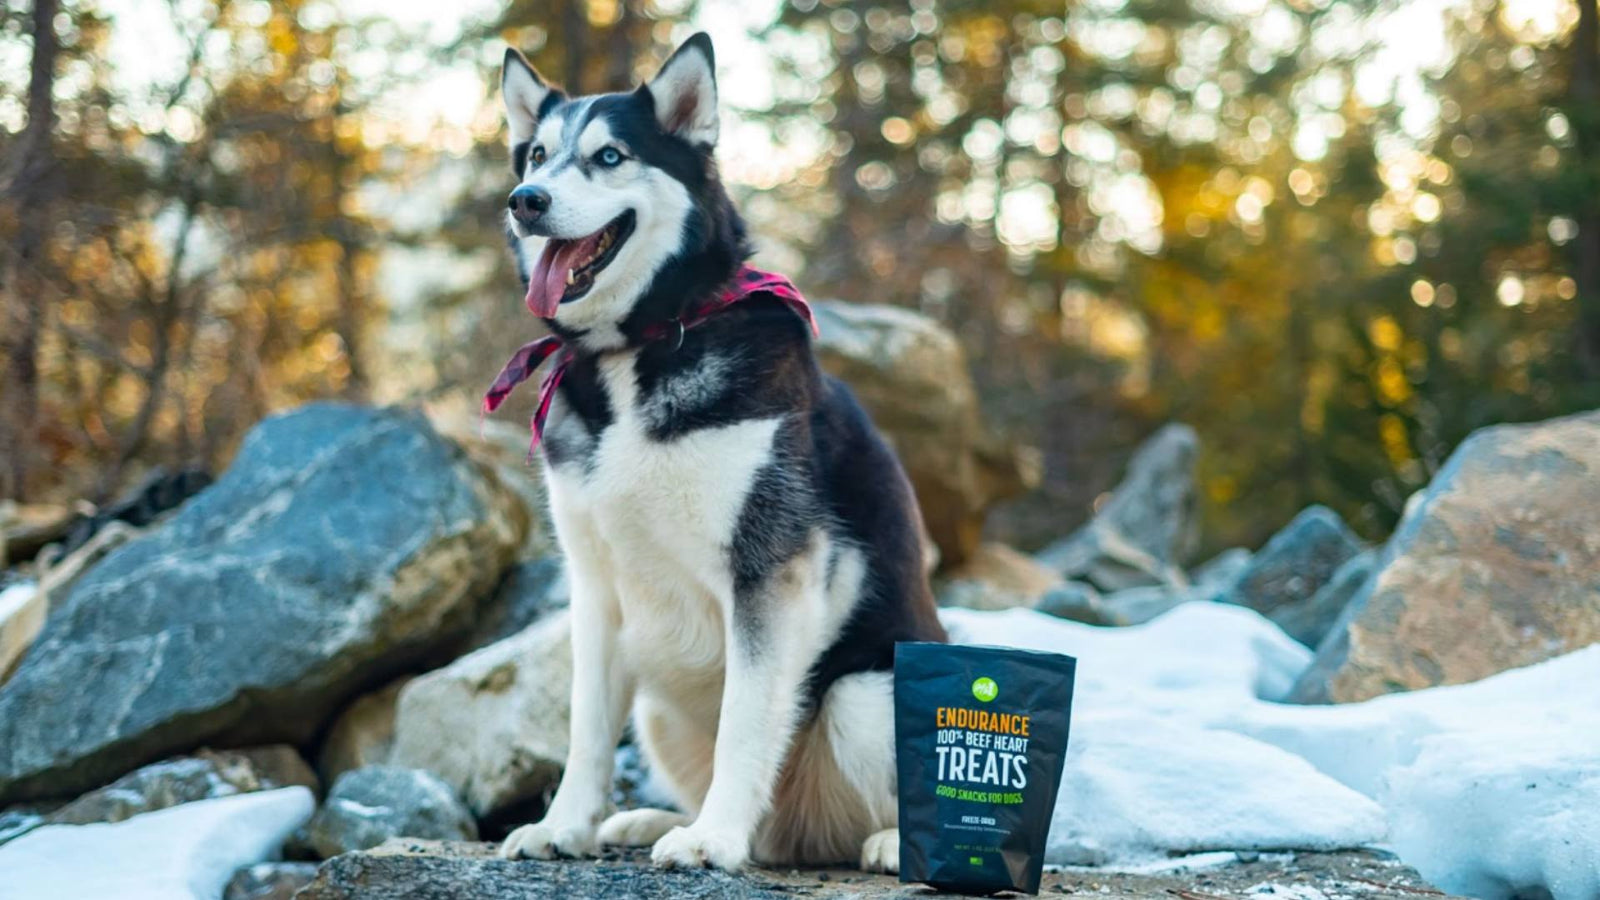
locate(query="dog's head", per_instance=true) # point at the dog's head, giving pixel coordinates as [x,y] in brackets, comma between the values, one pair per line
[618,218]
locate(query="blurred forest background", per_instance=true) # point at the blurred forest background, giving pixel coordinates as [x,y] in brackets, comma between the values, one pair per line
[1332,235]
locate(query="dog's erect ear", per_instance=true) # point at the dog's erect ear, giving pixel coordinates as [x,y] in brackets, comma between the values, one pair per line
[685,92]
[523,92]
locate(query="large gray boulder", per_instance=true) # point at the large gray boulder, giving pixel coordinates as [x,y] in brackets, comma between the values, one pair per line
[1281,582]
[1147,529]
[911,375]
[369,806]
[1498,566]
[344,544]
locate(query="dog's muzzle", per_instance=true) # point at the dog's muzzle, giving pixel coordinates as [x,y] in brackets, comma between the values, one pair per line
[528,204]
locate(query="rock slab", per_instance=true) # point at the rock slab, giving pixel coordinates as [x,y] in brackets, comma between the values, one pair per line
[1222,570]
[403,870]
[1281,582]
[173,782]
[1497,567]
[996,577]
[1147,529]
[1310,622]
[530,591]
[369,806]
[493,724]
[270,881]
[363,734]
[1078,602]
[344,543]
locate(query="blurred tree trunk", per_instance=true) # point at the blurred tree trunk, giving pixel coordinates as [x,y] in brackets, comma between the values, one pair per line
[351,322]
[620,50]
[167,313]
[575,34]
[352,312]
[1299,353]
[1584,113]
[837,262]
[28,190]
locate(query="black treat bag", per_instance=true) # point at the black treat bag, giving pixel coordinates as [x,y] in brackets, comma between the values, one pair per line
[980,734]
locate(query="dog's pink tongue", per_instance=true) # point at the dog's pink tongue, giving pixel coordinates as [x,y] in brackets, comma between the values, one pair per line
[549,279]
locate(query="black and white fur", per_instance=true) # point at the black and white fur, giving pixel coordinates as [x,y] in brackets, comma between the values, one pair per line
[743,548]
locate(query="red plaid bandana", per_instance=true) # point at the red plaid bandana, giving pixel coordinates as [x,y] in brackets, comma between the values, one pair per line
[746,282]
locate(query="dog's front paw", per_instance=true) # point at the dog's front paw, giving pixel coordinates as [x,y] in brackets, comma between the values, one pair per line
[549,840]
[693,847]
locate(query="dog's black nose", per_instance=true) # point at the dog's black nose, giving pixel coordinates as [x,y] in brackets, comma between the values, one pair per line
[528,203]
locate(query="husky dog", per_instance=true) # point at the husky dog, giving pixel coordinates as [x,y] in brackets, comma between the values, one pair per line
[743,549]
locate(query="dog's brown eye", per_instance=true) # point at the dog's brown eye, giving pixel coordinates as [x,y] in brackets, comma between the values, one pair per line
[537,156]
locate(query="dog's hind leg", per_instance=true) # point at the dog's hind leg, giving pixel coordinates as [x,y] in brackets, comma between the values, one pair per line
[859,711]
[880,852]
[836,800]
[771,638]
[639,827]
[679,756]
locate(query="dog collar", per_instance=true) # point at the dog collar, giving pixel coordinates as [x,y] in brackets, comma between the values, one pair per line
[747,282]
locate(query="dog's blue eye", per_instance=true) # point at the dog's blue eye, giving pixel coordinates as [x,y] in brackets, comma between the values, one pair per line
[608,156]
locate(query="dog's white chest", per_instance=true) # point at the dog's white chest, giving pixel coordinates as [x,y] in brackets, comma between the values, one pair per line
[680,499]
[661,516]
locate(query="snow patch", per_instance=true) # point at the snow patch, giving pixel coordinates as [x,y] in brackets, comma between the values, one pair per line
[1193,862]
[22,614]
[1490,789]
[1134,787]
[187,851]
[1502,815]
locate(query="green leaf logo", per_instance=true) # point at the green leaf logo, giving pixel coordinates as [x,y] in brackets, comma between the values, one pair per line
[985,689]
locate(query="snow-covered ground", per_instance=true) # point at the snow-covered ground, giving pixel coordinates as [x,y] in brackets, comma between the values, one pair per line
[1487,789]
[187,852]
